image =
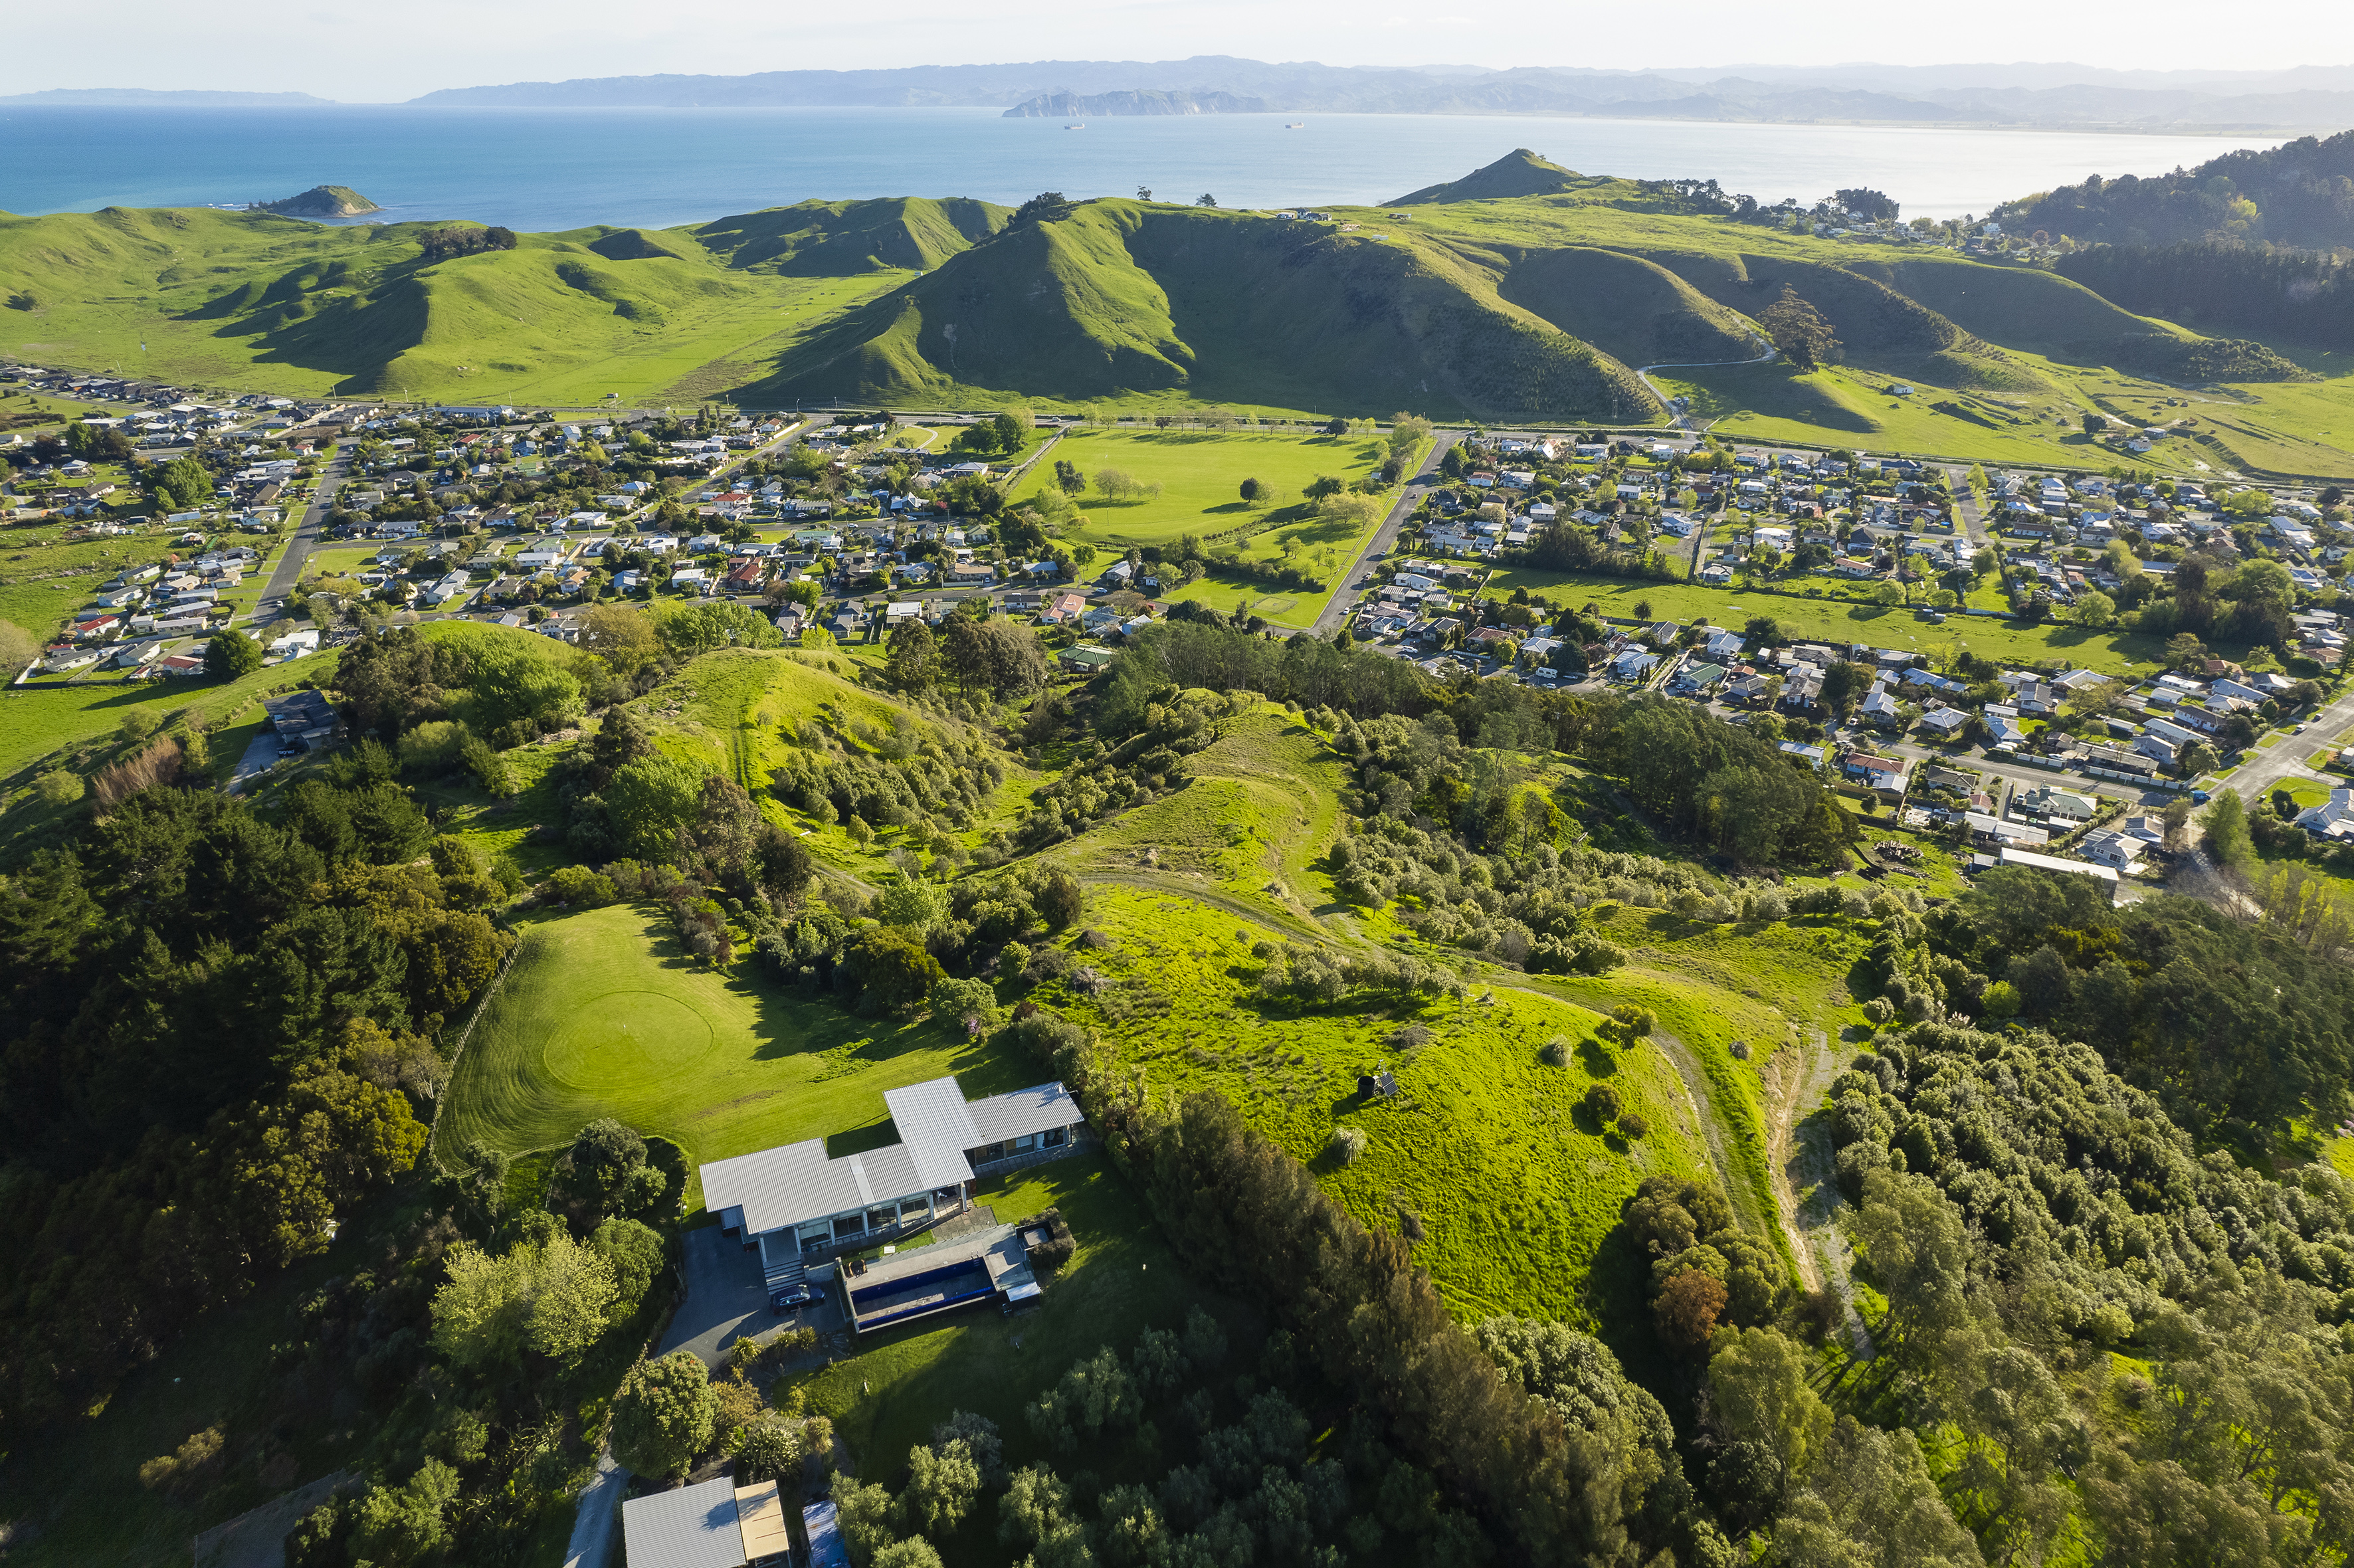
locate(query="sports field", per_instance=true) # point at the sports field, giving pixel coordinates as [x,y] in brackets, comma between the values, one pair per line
[1840,620]
[1199,473]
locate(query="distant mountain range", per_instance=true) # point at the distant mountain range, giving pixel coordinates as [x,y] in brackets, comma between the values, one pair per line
[1070,105]
[2310,96]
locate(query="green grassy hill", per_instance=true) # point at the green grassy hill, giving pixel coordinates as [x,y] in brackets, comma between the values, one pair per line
[818,238]
[1523,291]
[1518,172]
[1629,306]
[1126,298]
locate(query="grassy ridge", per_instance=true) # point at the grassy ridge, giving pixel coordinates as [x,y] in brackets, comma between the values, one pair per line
[1528,301]
[1513,1187]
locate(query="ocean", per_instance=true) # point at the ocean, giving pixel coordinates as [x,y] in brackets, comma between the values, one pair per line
[549,169]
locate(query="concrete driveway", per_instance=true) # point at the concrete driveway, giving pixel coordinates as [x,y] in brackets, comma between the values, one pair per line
[261,757]
[726,1299]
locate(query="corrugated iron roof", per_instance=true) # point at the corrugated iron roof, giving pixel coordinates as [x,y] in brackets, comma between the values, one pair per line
[1023,1112]
[933,1119]
[695,1527]
[786,1186]
[826,1549]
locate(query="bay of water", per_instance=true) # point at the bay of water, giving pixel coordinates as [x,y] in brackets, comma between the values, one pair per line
[543,169]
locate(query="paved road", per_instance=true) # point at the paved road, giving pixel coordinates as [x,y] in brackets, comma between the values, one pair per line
[288,574]
[597,1520]
[1965,506]
[1684,421]
[2285,759]
[1345,597]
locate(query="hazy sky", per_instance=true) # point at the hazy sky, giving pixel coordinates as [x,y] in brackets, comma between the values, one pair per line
[374,53]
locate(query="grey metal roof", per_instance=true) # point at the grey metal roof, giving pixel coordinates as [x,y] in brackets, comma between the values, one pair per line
[1023,1112]
[694,1527]
[932,1117]
[786,1186]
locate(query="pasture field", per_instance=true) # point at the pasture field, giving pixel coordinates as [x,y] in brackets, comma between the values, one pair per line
[1839,621]
[1842,407]
[1712,986]
[1199,473]
[1513,1185]
[1261,811]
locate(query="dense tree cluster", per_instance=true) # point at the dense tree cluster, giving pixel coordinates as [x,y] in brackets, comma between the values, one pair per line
[2299,193]
[214,1027]
[2024,1211]
[442,244]
[1536,1486]
[2299,294]
[2219,1019]
[892,774]
[1135,755]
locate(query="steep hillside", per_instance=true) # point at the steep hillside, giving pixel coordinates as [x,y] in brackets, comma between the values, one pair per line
[1523,291]
[837,239]
[1628,306]
[1127,298]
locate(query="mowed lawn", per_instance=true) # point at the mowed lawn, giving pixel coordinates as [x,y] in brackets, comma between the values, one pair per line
[605,1014]
[1841,621]
[1199,473]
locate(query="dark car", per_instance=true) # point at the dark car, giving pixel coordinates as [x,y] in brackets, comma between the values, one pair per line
[784,1301]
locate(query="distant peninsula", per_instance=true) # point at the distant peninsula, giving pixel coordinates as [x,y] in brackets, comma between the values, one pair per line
[2078,97]
[323,201]
[147,98]
[1072,105]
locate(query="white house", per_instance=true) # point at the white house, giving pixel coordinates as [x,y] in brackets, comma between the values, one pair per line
[2332,818]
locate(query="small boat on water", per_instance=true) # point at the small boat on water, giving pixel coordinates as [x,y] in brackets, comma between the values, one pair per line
[1297,125]
[1074,127]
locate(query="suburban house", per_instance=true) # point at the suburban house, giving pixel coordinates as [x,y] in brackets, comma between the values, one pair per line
[717,1524]
[2107,846]
[1887,775]
[2013,855]
[1986,829]
[2332,818]
[1696,680]
[796,1204]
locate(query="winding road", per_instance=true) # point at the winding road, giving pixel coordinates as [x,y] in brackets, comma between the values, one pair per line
[1684,421]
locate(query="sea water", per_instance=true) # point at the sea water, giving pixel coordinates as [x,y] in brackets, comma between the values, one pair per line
[543,169]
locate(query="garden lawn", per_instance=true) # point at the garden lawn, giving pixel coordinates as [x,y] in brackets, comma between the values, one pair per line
[1514,1187]
[1199,473]
[35,721]
[604,1014]
[1121,1280]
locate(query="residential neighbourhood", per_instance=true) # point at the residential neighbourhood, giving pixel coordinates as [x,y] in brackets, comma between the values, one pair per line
[852,526]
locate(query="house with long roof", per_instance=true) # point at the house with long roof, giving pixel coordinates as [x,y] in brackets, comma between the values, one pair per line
[798,1204]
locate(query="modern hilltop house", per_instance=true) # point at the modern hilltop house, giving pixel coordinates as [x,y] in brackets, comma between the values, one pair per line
[799,1206]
